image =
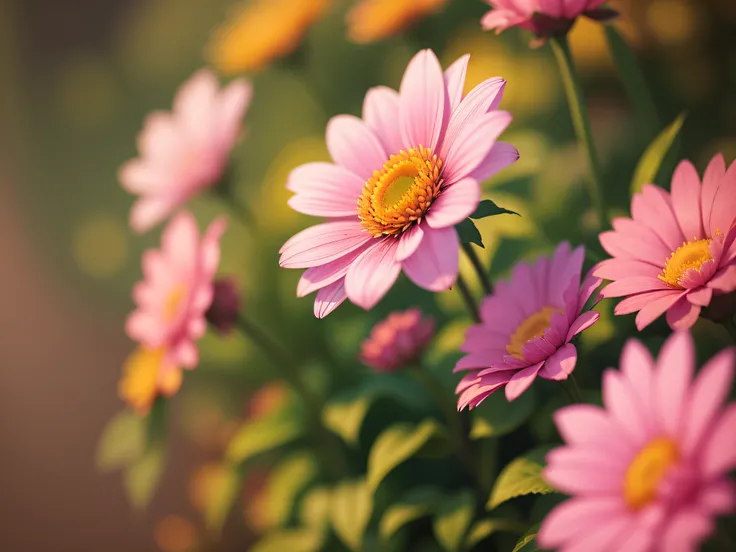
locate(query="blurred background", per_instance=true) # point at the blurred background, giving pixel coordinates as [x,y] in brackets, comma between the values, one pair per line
[76,79]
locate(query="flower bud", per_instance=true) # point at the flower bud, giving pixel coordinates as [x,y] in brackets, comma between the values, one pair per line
[223,311]
[397,341]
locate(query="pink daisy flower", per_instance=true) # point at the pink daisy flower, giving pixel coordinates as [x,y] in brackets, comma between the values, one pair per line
[678,252]
[526,327]
[186,150]
[648,472]
[177,291]
[402,177]
[398,341]
[543,17]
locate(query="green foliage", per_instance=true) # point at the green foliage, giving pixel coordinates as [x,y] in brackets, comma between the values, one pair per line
[521,476]
[468,232]
[453,519]
[344,413]
[497,416]
[293,540]
[527,543]
[417,503]
[314,510]
[488,208]
[261,435]
[350,511]
[649,165]
[397,444]
[222,495]
[285,483]
[122,442]
[142,476]
[485,528]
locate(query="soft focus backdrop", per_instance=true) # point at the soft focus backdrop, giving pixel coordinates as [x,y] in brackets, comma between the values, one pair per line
[77,78]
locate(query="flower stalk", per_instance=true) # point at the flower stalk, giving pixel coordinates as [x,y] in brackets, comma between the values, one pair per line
[485,280]
[571,388]
[468,298]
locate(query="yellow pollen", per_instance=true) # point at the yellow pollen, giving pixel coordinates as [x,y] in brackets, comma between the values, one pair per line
[646,471]
[691,255]
[401,193]
[173,302]
[531,327]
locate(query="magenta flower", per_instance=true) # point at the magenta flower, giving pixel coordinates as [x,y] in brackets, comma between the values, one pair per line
[649,472]
[678,252]
[543,17]
[177,291]
[402,177]
[185,151]
[397,341]
[526,327]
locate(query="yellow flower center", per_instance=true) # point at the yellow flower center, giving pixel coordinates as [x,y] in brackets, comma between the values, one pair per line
[400,194]
[691,254]
[646,471]
[531,327]
[173,302]
[141,380]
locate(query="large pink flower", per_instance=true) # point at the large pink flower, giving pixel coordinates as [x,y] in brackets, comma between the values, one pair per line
[186,150]
[678,251]
[526,327]
[543,17]
[177,291]
[402,177]
[648,472]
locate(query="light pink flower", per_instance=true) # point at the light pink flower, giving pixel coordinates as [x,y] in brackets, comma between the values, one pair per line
[649,472]
[186,150]
[526,327]
[543,17]
[176,291]
[397,341]
[678,252]
[402,177]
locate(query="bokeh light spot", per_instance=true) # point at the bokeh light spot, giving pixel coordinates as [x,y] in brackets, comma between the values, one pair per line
[99,245]
[175,534]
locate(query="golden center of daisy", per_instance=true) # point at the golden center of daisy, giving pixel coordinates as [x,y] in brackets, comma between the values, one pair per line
[646,471]
[173,302]
[531,327]
[401,192]
[691,255]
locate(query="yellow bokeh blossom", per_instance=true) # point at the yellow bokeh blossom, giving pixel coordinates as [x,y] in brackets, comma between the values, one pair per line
[372,20]
[145,377]
[260,31]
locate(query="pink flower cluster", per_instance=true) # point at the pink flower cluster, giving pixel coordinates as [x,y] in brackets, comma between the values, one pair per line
[398,341]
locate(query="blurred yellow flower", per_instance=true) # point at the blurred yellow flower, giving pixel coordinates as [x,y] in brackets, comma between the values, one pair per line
[372,20]
[143,379]
[260,31]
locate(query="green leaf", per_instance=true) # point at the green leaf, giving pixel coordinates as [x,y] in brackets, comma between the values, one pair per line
[468,233]
[314,510]
[222,494]
[521,476]
[350,511]
[344,413]
[486,527]
[634,82]
[487,208]
[397,444]
[414,505]
[293,540]
[453,519]
[284,485]
[650,163]
[262,435]
[141,478]
[527,542]
[497,416]
[122,441]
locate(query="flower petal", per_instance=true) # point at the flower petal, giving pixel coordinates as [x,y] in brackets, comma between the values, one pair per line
[673,375]
[355,146]
[561,364]
[686,200]
[719,453]
[424,106]
[372,274]
[324,190]
[322,243]
[381,114]
[521,381]
[683,314]
[455,204]
[409,241]
[434,265]
[455,81]
[501,156]
[656,308]
[329,298]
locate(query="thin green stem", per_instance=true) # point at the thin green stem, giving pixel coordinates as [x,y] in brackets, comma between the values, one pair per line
[580,120]
[488,464]
[730,326]
[570,385]
[468,298]
[485,280]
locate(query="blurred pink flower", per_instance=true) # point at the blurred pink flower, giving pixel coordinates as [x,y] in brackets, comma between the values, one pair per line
[177,291]
[678,252]
[186,150]
[648,472]
[543,17]
[402,177]
[526,327]
[398,341]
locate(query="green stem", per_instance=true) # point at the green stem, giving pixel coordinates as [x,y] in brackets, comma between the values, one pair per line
[580,120]
[730,326]
[479,269]
[570,385]
[224,193]
[488,464]
[468,298]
